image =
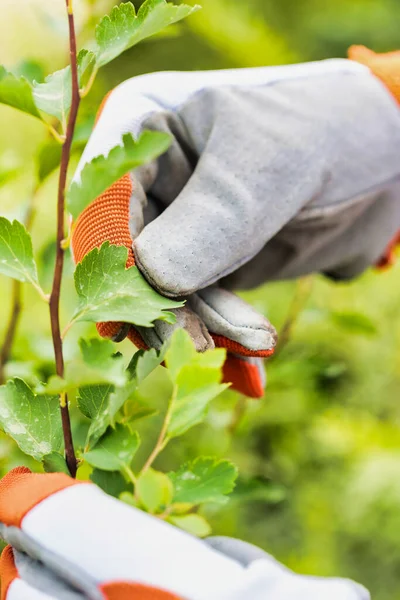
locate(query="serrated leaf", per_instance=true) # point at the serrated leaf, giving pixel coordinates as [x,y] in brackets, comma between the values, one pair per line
[196,378]
[115,450]
[32,421]
[99,174]
[154,490]
[97,364]
[111,482]
[16,253]
[194,524]
[109,292]
[123,28]
[17,92]
[204,480]
[55,463]
[54,95]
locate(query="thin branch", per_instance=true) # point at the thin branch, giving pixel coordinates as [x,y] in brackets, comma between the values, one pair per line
[56,289]
[16,307]
[302,293]
[238,413]
[162,438]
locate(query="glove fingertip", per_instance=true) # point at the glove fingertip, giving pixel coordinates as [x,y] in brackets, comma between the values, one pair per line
[246,375]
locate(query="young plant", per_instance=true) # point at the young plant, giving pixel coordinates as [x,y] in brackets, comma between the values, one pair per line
[107,390]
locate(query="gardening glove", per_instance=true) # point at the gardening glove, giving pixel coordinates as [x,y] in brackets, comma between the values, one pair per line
[272,173]
[70,541]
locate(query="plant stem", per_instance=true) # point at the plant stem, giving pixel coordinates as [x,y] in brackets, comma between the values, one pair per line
[238,414]
[131,475]
[302,293]
[162,438]
[56,289]
[16,307]
[16,299]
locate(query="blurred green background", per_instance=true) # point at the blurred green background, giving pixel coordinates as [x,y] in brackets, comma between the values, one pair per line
[319,456]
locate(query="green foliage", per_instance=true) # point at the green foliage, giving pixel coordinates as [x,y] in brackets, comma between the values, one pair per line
[123,28]
[194,524]
[115,450]
[111,482]
[103,171]
[97,364]
[154,491]
[16,253]
[204,480]
[55,463]
[109,292]
[196,379]
[54,95]
[319,456]
[17,92]
[32,421]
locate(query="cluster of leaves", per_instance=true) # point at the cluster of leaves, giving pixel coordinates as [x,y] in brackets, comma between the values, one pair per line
[106,389]
[108,394]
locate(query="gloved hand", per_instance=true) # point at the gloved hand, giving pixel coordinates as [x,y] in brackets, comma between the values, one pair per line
[70,541]
[273,173]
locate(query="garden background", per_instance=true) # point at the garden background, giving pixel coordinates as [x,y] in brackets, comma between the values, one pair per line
[319,456]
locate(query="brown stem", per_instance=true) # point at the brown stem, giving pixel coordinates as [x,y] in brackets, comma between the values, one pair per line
[11,328]
[56,289]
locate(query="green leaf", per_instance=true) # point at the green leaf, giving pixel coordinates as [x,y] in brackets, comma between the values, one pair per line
[194,524]
[30,69]
[111,482]
[109,292]
[98,364]
[10,168]
[54,95]
[135,409]
[48,159]
[181,352]
[196,378]
[128,498]
[123,28]
[91,399]
[145,361]
[32,421]
[17,92]
[204,480]
[101,403]
[115,450]
[55,463]
[103,171]
[154,490]
[354,322]
[16,253]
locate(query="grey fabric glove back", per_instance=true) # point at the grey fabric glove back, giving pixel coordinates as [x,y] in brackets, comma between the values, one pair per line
[273,172]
